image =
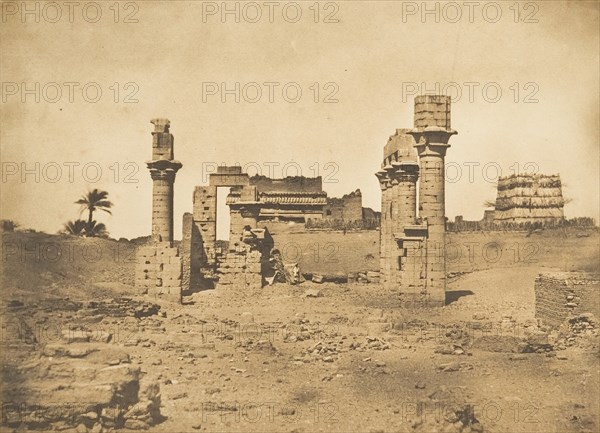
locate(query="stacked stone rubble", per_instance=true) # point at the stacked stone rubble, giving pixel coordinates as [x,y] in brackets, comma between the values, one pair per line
[242,269]
[158,272]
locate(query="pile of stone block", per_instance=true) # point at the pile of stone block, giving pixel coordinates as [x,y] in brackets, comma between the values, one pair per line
[241,267]
[158,271]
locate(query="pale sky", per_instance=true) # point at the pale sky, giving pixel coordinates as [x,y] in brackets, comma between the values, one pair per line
[371,55]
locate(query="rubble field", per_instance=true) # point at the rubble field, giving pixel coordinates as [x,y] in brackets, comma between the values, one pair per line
[83,353]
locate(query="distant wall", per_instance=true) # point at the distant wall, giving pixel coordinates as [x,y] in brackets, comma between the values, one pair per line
[370,215]
[287,184]
[347,208]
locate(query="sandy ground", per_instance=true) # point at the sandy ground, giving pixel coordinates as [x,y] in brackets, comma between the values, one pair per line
[331,357]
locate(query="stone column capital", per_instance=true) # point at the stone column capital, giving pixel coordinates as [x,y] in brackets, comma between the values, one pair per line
[432,140]
[249,211]
[404,172]
[163,169]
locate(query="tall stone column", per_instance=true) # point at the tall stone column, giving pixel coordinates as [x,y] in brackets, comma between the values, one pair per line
[432,132]
[405,177]
[384,235]
[163,169]
[159,266]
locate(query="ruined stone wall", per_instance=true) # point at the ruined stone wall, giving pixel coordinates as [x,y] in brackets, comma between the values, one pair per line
[192,254]
[370,215]
[241,268]
[288,184]
[158,271]
[347,208]
[559,295]
[353,206]
[205,219]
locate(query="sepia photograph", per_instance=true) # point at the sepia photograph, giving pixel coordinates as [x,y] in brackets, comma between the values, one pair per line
[309,216]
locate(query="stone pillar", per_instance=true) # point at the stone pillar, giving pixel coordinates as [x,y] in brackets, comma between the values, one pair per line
[397,178]
[432,132]
[386,230]
[236,228]
[405,177]
[159,266]
[192,254]
[205,218]
[162,170]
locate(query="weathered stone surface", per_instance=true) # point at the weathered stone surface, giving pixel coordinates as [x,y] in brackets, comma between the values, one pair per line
[408,258]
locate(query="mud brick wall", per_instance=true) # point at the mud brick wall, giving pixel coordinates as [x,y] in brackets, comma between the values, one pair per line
[158,271]
[559,295]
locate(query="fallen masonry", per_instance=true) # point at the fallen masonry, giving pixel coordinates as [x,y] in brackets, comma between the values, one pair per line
[67,371]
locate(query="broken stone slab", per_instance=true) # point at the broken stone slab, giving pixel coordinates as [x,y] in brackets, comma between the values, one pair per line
[316,278]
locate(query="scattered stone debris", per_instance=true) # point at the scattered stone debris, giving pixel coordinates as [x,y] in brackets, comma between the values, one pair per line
[313,293]
[376,343]
[579,330]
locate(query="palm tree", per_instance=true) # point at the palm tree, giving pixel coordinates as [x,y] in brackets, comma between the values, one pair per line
[77,227]
[96,230]
[94,200]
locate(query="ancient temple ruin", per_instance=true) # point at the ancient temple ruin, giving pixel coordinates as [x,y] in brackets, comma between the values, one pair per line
[412,243]
[248,247]
[412,235]
[529,198]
